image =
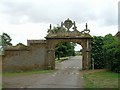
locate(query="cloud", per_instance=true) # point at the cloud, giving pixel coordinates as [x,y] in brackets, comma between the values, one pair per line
[109,14]
[29,19]
[54,11]
[22,32]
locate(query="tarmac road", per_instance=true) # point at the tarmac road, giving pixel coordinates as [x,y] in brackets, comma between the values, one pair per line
[66,76]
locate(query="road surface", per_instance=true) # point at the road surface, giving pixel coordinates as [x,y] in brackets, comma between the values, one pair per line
[66,76]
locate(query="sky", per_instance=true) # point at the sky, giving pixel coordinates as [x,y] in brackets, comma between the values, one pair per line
[30,19]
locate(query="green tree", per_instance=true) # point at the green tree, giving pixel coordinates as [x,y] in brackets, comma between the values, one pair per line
[106,52]
[111,49]
[97,52]
[65,49]
[57,29]
[20,44]
[6,39]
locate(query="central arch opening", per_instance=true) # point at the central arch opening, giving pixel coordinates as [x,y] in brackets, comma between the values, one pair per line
[68,55]
[63,33]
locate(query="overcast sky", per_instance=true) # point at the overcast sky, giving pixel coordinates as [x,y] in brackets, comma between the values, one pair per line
[30,19]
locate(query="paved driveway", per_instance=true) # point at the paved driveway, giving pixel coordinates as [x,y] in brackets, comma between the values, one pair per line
[66,76]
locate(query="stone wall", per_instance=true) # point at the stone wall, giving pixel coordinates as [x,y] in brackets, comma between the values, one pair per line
[23,58]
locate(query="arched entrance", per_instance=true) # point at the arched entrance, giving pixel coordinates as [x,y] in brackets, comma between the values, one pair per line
[83,38]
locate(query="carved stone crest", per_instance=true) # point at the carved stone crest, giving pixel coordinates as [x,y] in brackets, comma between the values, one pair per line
[64,30]
[68,24]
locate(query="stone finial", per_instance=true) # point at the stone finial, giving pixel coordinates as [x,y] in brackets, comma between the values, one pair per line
[49,29]
[50,26]
[86,30]
[62,24]
[75,28]
[86,26]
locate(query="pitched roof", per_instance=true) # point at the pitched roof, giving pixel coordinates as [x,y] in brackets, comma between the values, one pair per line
[118,34]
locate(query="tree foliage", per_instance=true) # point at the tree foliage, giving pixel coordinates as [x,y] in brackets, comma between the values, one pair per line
[111,49]
[97,52]
[20,44]
[65,49]
[106,52]
[6,39]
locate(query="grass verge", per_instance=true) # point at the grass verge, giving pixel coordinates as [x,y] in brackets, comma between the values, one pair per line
[100,79]
[27,72]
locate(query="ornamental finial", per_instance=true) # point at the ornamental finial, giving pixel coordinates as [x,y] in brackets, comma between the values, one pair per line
[86,26]
[50,26]
[68,24]
[75,28]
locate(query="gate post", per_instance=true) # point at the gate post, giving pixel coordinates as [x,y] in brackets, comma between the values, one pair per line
[88,54]
[86,61]
[89,59]
[51,57]
[83,60]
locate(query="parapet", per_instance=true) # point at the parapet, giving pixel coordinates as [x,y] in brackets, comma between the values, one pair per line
[36,42]
[16,48]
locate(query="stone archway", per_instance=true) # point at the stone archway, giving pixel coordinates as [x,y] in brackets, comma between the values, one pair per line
[83,38]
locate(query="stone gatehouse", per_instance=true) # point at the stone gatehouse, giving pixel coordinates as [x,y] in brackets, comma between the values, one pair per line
[39,54]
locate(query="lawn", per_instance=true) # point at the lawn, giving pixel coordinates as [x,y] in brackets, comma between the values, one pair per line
[100,79]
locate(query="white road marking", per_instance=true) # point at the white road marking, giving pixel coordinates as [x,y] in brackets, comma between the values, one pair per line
[72,73]
[67,73]
[53,75]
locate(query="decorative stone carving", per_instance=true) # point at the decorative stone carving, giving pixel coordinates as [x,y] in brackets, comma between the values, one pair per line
[74,28]
[86,30]
[64,30]
[68,24]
